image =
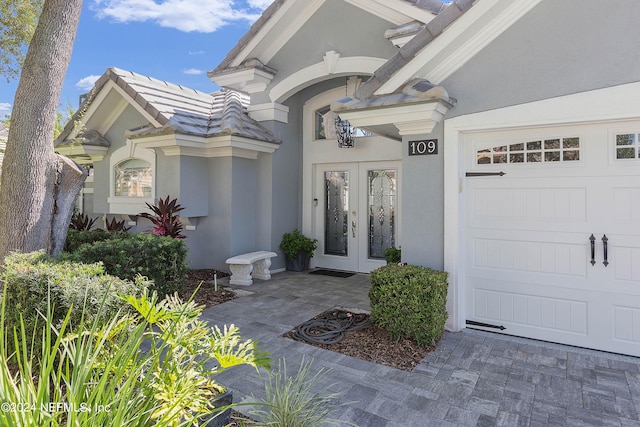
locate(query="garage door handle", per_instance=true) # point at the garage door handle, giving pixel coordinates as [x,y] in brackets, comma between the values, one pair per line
[593,249]
[605,246]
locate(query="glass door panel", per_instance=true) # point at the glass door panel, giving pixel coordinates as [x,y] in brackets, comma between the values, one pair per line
[355,214]
[336,216]
[382,203]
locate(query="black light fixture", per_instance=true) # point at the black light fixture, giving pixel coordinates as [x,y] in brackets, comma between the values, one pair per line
[345,132]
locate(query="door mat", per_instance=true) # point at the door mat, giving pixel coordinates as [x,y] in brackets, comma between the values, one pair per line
[332,273]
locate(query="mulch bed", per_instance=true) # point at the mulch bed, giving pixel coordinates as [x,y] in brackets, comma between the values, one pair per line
[373,344]
[206,295]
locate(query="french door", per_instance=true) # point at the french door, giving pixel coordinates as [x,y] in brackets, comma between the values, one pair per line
[355,214]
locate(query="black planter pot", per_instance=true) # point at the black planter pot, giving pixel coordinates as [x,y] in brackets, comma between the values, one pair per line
[223,418]
[299,263]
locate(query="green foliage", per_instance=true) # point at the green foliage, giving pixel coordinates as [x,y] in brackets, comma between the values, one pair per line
[81,222]
[98,375]
[294,242]
[409,301]
[30,280]
[393,255]
[161,259]
[295,401]
[115,226]
[18,19]
[165,218]
[76,238]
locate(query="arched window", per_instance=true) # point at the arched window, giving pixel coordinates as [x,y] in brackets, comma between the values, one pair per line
[133,178]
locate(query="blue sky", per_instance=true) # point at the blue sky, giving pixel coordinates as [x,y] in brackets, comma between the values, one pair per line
[173,40]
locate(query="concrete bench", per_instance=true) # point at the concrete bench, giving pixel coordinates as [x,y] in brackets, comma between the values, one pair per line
[242,267]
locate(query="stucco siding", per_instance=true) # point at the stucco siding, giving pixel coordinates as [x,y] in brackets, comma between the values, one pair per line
[560,47]
[287,179]
[341,21]
[423,205]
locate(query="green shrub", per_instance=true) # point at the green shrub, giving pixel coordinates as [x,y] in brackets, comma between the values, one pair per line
[31,279]
[409,301]
[98,374]
[296,401]
[76,238]
[393,255]
[161,259]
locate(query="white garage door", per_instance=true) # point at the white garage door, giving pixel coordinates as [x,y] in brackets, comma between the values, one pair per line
[552,247]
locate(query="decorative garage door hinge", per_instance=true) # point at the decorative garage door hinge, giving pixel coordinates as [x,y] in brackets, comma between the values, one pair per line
[485,325]
[485,173]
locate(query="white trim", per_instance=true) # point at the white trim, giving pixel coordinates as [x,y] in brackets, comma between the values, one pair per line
[113,114]
[291,16]
[395,11]
[269,111]
[130,205]
[367,149]
[312,74]
[221,146]
[468,35]
[273,35]
[600,105]
[95,153]
[249,80]
[105,125]
[410,119]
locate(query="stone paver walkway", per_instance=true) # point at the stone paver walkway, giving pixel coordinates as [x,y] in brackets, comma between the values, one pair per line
[473,378]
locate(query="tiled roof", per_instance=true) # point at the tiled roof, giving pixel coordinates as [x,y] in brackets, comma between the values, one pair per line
[417,90]
[408,52]
[182,110]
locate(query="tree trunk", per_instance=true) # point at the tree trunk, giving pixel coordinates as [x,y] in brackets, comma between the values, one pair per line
[33,176]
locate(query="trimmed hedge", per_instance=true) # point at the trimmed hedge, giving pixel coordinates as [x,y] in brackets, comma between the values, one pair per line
[409,301]
[76,238]
[32,279]
[161,259]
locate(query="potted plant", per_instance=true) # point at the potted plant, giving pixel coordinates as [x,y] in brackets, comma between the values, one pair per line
[298,250]
[393,255]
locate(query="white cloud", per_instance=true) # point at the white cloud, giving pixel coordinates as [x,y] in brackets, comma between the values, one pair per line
[5,108]
[184,15]
[87,82]
[197,52]
[193,71]
[260,4]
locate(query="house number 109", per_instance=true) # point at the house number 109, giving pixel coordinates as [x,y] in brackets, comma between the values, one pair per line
[423,147]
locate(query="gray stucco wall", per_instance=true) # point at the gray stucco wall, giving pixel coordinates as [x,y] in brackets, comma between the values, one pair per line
[210,244]
[560,47]
[423,205]
[129,119]
[341,22]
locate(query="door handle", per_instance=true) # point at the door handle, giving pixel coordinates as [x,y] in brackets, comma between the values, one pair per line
[592,239]
[605,247]
[353,229]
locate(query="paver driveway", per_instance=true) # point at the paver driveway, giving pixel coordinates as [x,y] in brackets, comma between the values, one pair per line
[473,378]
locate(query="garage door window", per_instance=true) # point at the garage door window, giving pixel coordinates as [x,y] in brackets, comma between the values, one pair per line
[538,151]
[627,146]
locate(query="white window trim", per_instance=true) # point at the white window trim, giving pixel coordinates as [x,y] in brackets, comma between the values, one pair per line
[125,204]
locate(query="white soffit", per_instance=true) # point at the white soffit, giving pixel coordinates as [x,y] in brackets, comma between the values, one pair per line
[277,31]
[106,122]
[469,34]
[410,119]
[397,12]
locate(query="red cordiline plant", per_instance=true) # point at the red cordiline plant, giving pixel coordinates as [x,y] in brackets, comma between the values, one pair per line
[165,218]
